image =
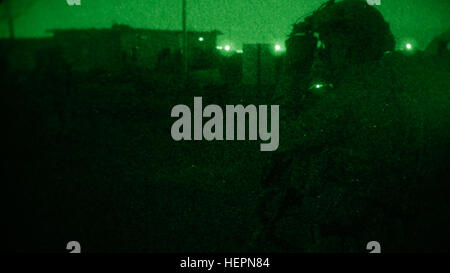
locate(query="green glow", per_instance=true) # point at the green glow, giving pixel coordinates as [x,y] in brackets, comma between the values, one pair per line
[408,46]
[248,21]
[277,48]
[201,39]
[227,48]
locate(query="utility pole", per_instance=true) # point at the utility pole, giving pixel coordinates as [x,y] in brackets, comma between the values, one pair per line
[185,44]
[10,19]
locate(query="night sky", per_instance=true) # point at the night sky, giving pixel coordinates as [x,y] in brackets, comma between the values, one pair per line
[241,21]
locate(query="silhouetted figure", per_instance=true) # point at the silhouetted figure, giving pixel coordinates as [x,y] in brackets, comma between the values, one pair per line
[439,46]
[335,36]
[349,153]
[164,62]
[351,32]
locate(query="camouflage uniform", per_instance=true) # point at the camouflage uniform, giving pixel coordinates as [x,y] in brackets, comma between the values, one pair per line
[317,124]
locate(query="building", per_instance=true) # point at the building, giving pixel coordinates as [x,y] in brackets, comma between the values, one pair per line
[115,48]
[119,45]
[21,52]
[261,64]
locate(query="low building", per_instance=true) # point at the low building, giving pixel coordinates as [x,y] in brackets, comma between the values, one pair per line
[21,53]
[261,64]
[114,48]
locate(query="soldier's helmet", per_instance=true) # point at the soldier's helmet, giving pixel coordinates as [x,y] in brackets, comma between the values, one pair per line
[356,29]
[346,32]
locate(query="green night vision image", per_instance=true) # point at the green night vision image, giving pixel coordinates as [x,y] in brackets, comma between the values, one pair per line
[88,90]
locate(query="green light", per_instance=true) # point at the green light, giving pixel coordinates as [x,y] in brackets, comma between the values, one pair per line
[239,51]
[201,39]
[277,48]
[318,86]
[227,48]
[220,47]
[408,46]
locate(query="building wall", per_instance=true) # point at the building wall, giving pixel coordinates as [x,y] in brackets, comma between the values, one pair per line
[148,44]
[202,54]
[109,49]
[91,50]
[259,64]
[145,46]
[21,53]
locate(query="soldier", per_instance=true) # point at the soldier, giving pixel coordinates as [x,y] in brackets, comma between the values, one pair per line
[315,120]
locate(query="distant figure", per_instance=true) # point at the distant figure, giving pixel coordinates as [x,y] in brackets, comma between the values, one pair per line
[178,62]
[164,62]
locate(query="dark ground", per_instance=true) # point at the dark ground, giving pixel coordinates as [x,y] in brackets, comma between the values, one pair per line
[113,179]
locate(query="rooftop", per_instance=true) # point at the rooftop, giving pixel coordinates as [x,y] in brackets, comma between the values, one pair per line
[126,28]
